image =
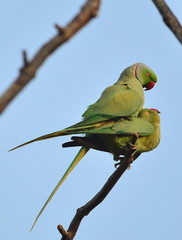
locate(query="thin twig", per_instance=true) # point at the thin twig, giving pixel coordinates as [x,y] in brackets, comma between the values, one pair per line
[25,59]
[169,18]
[29,69]
[98,198]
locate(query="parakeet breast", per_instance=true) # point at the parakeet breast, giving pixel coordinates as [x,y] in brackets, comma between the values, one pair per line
[146,144]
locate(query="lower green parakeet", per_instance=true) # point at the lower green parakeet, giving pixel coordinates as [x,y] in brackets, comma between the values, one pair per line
[117,143]
[110,135]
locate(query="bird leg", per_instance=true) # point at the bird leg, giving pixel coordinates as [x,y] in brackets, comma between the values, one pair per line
[131,146]
[131,149]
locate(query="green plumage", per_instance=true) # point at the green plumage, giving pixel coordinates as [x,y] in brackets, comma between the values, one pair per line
[114,136]
[126,96]
[110,122]
[124,99]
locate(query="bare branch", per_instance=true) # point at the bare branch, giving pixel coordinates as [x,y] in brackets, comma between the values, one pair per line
[29,69]
[169,18]
[98,198]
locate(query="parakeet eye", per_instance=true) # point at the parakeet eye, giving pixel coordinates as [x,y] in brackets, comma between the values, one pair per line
[147,112]
[148,75]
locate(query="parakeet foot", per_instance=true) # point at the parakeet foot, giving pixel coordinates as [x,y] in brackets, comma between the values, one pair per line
[118,163]
[131,146]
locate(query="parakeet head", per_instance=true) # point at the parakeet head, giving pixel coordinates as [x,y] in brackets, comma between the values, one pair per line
[150,115]
[145,75]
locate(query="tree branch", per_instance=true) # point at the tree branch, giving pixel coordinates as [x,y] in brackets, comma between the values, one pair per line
[29,69]
[169,18]
[98,198]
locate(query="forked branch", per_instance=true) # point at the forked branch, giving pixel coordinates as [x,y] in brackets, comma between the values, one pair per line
[30,67]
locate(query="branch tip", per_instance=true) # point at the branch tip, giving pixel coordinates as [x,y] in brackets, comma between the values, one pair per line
[63,232]
[60,29]
[25,58]
[26,63]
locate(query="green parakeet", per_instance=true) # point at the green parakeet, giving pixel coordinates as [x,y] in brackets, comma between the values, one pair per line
[114,137]
[118,106]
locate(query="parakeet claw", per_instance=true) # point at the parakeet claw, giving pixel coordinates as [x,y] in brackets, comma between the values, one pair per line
[131,146]
[118,163]
[130,150]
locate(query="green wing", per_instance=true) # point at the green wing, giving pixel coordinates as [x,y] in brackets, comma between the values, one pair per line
[135,125]
[75,161]
[110,126]
[124,99]
[118,125]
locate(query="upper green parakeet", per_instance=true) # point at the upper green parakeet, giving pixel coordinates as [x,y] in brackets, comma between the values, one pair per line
[121,102]
[126,96]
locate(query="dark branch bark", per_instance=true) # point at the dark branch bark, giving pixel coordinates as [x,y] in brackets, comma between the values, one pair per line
[29,69]
[169,18]
[98,198]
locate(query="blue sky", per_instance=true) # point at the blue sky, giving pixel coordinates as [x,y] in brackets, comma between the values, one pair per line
[146,202]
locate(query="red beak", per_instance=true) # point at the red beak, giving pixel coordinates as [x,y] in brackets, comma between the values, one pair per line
[149,86]
[153,109]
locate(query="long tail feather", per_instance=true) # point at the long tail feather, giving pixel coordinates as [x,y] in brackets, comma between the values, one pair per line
[75,161]
[67,131]
[50,135]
